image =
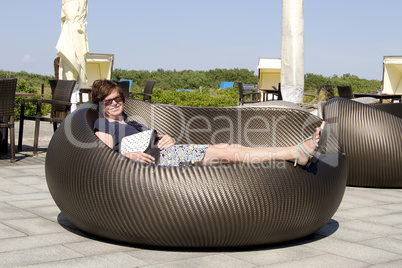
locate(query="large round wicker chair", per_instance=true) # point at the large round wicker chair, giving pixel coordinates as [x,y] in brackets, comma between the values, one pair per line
[108,195]
[371,138]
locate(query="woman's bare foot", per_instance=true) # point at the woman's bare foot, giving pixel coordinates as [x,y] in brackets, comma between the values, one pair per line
[309,146]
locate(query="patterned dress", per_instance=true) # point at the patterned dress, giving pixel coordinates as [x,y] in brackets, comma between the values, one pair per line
[177,155]
[183,155]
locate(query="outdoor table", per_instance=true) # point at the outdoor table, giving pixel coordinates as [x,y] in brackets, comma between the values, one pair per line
[24,94]
[265,93]
[381,97]
[4,131]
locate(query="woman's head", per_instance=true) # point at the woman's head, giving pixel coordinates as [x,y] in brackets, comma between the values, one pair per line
[110,98]
[102,88]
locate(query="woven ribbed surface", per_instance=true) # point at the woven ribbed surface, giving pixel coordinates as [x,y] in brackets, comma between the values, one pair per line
[108,195]
[248,126]
[366,100]
[7,99]
[8,87]
[274,104]
[62,92]
[371,139]
[391,108]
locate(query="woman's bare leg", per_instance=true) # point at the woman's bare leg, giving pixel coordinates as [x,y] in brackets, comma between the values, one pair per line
[235,154]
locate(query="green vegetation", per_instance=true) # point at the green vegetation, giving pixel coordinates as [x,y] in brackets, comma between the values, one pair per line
[196,98]
[313,81]
[32,80]
[30,107]
[203,84]
[186,79]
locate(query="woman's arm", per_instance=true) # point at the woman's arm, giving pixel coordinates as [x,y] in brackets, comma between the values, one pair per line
[105,137]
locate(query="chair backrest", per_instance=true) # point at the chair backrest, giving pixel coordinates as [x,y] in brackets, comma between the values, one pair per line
[130,82]
[62,92]
[125,86]
[241,91]
[279,92]
[7,93]
[318,91]
[345,92]
[149,86]
[329,92]
[53,83]
[248,87]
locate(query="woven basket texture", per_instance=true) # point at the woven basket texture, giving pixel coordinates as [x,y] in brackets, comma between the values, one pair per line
[108,195]
[371,138]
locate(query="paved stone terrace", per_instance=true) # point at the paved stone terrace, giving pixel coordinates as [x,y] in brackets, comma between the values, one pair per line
[366,231]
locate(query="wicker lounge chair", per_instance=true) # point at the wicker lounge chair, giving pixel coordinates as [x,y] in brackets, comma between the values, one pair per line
[60,107]
[7,105]
[391,108]
[345,92]
[147,94]
[372,141]
[125,86]
[329,92]
[243,93]
[108,195]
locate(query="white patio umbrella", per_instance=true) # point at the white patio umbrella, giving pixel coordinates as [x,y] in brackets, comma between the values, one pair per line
[72,46]
[292,55]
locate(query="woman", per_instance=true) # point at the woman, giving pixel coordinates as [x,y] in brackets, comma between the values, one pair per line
[112,128]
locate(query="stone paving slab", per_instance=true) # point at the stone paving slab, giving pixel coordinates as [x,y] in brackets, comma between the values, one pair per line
[169,256]
[106,260]
[37,255]
[26,156]
[37,241]
[366,231]
[9,232]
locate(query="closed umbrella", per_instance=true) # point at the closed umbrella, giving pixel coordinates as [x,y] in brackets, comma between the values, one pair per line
[72,46]
[292,55]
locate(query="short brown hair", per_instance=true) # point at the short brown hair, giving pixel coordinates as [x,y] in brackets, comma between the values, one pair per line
[102,88]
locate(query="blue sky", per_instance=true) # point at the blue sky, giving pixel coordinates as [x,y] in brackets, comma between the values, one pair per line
[341,36]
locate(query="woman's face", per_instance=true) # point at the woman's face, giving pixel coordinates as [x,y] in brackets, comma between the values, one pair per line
[113,104]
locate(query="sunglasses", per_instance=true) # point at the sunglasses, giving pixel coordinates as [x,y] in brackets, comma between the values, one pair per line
[118,99]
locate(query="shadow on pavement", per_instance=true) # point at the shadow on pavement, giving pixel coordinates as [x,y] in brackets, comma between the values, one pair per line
[327,230]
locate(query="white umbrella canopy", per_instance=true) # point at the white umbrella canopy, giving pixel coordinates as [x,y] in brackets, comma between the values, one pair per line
[72,46]
[292,55]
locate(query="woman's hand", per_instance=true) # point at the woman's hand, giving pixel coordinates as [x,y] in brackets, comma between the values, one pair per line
[141,157]
[165,142]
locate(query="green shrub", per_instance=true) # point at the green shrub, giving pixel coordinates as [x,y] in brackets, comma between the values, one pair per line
[32,80]
[197,98]
[30,107]
[359,85]
[166,79]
